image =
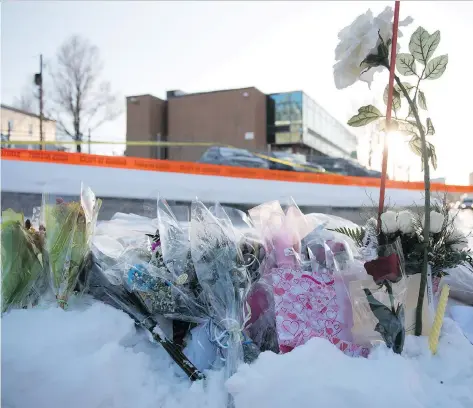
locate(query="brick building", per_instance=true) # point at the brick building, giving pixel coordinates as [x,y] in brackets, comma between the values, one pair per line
[244,118]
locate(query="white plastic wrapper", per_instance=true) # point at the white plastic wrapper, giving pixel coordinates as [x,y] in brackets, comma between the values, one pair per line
[460,280]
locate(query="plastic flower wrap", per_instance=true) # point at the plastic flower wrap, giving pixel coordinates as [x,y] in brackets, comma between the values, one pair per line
[22,262]
[123,298]
[310,298]
[379,302]
[225,284]
[69,231]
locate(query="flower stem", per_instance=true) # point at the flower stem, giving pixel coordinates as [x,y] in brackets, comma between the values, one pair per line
[389,289]
[425,157]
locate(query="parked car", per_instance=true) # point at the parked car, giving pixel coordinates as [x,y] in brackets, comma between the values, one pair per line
[344,167]
[466,203]
[232,157]
[292,162]
[301,161]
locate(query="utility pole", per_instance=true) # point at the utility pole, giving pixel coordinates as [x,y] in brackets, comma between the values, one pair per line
[89,140]
[9,133]
[38,79]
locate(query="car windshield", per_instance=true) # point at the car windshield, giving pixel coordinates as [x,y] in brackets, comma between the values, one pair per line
[467,201]
[227,152]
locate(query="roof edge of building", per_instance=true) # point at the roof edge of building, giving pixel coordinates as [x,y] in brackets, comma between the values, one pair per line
[219,91]
[24,112]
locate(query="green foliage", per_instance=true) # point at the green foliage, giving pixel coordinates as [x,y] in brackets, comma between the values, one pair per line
[421,100]
[432,155]
[436,67]
[21,264]
[422,45]
[406,64]
[396,98]
[356,234]
[415,144]
[366,114]
[67,244]
[430,127]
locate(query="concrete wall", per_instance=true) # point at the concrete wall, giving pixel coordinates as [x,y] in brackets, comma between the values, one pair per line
[25,202]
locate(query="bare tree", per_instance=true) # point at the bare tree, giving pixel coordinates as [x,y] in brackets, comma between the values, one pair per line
[80,101]
[27,101]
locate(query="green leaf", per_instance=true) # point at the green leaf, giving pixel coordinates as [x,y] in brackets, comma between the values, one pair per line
[406,64]
[430,127]
[432,155]
[436,67]
[396,98]
[406,85]
[356,234]
[421,100]
[408,128]
[422,45]
[415,144]
[414,123]
[366,114]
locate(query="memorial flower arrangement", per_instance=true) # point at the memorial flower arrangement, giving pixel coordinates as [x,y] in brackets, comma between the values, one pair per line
[22,272]
[365,48]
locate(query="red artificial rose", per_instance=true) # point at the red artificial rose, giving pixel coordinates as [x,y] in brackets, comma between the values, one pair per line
[384,268]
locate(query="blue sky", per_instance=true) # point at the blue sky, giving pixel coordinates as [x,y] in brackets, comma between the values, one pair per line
[151,47]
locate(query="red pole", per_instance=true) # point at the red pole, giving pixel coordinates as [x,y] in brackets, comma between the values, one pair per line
[382,189]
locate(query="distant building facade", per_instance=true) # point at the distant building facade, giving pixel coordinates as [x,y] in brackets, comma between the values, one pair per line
[244,118]
[20,125]
[471,179]
[301,124]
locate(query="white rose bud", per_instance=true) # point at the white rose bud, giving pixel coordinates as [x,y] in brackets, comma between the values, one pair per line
[405,222]
[389,222]
[436,222]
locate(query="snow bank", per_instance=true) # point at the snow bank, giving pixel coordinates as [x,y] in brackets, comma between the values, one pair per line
[317,374]
[91,356]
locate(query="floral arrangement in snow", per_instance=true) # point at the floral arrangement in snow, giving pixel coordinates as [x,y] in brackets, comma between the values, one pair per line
[447,246]
[365,47]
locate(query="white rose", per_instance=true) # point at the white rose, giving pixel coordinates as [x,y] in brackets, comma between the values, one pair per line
[357,41]
[389,222]
[436,222]
[405,222]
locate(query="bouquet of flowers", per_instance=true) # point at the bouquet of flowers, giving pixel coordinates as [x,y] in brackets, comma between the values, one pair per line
[22,261]
[70,228]
[198,277]
[447,245]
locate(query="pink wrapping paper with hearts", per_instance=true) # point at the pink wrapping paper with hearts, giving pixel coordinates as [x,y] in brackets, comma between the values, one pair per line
[309,300]
[308,307]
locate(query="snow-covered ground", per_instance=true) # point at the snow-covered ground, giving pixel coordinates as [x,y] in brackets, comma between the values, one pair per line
[91,356]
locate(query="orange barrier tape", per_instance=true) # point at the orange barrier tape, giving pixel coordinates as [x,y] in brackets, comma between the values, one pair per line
[136,163]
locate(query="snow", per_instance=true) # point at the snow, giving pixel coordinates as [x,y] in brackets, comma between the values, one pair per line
[92,356]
